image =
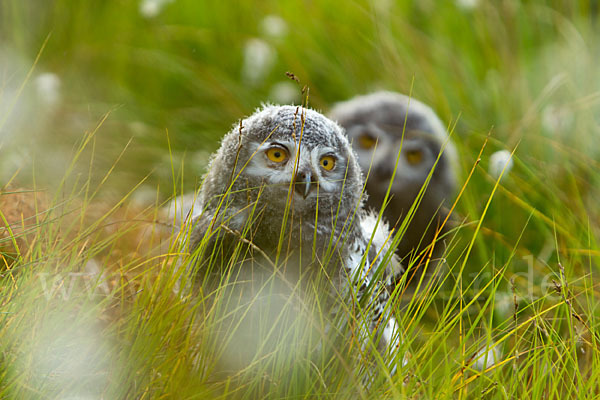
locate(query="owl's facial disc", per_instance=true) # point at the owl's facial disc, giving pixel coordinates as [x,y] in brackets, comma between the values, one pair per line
[310,170]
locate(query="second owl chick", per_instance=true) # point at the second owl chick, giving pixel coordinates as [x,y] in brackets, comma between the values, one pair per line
[382,125]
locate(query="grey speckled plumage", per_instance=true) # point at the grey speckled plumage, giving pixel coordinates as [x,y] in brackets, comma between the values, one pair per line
[245,193]
[259,183]
[375,125]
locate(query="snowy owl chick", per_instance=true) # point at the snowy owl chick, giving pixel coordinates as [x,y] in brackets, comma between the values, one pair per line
[286,184]
[392,132]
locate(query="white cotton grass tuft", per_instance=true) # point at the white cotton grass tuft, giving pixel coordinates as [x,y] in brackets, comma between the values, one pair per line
[467,5]
[501,163]
[65,351]
[556,119]
[182,209]
[151,8]
[285,92]
[259,58]
[487,357]
[273,26]
[504,304]
[22,97]
[47,86]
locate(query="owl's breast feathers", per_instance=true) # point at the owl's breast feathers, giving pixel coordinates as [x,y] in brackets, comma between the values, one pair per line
[321,238]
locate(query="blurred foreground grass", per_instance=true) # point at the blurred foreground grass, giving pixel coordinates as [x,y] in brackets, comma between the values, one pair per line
[139,93]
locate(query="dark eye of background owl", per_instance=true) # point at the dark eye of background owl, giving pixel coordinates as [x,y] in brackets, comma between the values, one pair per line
[366,140]
[414,156]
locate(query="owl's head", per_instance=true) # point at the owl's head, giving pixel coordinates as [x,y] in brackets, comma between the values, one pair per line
[287,156]
[386,128]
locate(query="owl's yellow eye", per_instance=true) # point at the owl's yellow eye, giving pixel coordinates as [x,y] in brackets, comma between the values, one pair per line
[327,162]
[277,154]
[366,141]
[414,157]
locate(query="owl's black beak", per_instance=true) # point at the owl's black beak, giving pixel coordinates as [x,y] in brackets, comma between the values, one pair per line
[303,183]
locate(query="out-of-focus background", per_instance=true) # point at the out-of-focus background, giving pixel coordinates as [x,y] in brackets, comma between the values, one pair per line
[159,82]
[524,71]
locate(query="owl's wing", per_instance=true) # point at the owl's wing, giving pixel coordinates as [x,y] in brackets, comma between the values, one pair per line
[372,267]
[198,226]
[182,209]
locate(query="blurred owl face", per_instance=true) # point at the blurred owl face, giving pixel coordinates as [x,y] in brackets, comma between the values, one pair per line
[392,132]
[378,149]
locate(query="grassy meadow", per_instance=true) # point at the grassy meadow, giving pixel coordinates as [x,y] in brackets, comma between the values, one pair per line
[110,109]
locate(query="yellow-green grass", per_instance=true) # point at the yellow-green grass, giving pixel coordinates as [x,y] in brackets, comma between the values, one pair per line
[522,262]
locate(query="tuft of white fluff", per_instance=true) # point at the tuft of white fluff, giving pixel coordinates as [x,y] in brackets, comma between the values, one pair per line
[274,26]
[47,86]
[467,5]
[259,58]
[285,92]
[501,163]
[151,8]
[487,357]
[557,119]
